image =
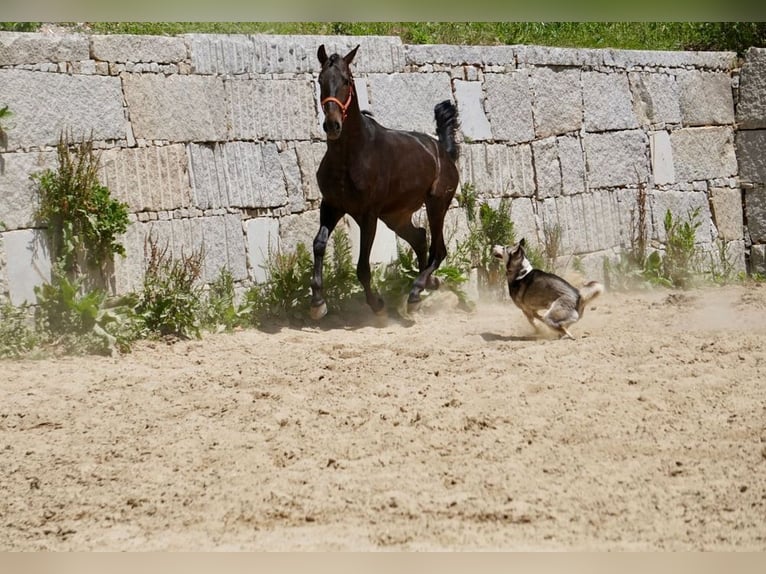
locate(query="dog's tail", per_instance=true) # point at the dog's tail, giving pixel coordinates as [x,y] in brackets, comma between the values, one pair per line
[446,127]
[588,292]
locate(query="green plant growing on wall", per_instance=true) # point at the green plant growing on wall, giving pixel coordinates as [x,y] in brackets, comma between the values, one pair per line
[679,264]
[221,309]
[17,337]
[170,302]
[84,222]
[5,113]
[487,226]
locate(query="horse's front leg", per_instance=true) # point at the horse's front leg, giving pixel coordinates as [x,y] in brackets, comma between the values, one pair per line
[328,219]
[367,228]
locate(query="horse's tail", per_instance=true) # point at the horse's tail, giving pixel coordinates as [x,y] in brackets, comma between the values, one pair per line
[446,127]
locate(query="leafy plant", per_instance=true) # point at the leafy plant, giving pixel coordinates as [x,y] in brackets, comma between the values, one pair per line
[84,221]
[171,299]
[5,113]
[285,294]
[487,226]
[17,336]
[679,262]
[340,282]
[221,310]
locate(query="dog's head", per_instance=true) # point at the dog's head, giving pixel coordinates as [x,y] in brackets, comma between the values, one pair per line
[514,259]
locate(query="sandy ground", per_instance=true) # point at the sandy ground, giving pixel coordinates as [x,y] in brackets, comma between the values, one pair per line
[457,431]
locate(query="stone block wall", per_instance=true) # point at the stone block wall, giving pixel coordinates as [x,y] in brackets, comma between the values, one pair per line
[751,153]
[213,140]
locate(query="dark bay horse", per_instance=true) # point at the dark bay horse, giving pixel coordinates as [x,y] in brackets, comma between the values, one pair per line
[371,172]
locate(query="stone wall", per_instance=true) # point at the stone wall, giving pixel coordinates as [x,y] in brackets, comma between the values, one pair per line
[751,153]
[213,141]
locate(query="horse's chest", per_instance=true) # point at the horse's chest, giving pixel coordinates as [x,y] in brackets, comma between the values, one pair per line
[344,183]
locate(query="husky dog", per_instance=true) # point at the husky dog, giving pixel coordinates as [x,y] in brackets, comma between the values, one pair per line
[534,290]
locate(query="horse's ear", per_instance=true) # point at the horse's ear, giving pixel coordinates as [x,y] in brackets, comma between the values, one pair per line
[322,54]
[348,58]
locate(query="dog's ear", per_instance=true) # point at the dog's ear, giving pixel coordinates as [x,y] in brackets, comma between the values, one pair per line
[523,242]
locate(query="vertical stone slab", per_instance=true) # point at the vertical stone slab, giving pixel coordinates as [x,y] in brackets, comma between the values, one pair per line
[28,263]
[473,120]
[572,160]
[727,212]
[18,193]
[751,108]
[557,101]
[616,158]
[751,155]
[547,168]
[755,207]
[509,104]
[262,242]
[661,158]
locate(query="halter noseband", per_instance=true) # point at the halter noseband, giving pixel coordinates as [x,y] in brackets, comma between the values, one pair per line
[343,107]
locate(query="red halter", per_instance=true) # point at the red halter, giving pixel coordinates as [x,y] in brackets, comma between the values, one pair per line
[343,107]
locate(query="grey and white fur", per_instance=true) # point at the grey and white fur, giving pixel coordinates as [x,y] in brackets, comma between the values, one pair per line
[541,295]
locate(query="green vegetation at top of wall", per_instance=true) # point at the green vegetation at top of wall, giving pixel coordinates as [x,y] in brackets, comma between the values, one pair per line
[713,36]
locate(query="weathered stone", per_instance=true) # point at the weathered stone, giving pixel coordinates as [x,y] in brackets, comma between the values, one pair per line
[655,98]
[751,107]
[407,101]
[18,192]
[293,54]
[755,207]
[262,243]
[727,212]
[607,100]
[296,201]
[547,168]
[635,59]
[661,158]
[758,259]
[751,155]
[237,174]
[682,205]
[32,48]
[129,48]
[44,105]
[473,120]
[271,109]
[309,157]
[509,106]
[703,153]
[554,56]
[706,98]
[616,158]
[557,101]
[298,228]
[28,263]
[498,170]
[572,160]
[524,217]
[452,55]
[176,108]
[148,178]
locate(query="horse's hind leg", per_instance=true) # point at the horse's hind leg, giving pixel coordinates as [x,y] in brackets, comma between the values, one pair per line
[328,219]
[402,225]
[436,208]
[367,228]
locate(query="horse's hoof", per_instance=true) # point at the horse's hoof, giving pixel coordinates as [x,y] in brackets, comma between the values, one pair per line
[319,311]
[413,306]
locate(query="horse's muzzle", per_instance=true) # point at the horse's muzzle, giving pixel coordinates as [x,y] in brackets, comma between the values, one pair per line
[332,129]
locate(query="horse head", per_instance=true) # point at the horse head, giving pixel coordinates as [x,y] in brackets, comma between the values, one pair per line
[336,86]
